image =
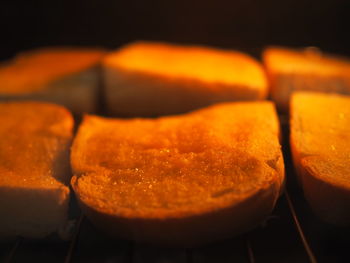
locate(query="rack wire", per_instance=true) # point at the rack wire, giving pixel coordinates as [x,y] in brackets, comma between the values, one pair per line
[190,254]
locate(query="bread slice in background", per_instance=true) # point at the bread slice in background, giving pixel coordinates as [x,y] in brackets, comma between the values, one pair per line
[183,180]
[304,69]
[320,142]
[34,169]
[153,79]
[63,75]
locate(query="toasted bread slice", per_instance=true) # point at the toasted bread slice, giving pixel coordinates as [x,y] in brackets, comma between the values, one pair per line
[34,169]
[320,141]
[152,79]
[182,180]
[305,69]
[67,76]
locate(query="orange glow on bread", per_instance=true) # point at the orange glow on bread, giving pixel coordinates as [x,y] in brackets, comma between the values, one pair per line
[305,69]
[138,172]
[34,169]
[193,62]
[183,75]
[31,71]
[320,139]
[62,75]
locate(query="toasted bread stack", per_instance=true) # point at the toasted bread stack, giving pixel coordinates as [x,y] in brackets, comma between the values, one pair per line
[34,169]
[320,141]
[67,76]
[183,180]
[152,79]
[308,69]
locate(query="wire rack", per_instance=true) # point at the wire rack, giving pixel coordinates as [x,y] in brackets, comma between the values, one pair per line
[291,234]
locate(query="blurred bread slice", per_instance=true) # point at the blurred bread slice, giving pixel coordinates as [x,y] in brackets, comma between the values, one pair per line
[320,141]
[63,75]
[304,69]
[34,169]
[183,180]
[151,79]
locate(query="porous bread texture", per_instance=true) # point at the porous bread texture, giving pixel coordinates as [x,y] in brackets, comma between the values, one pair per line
[152,79]
[182,180]
[306,69]
[34,169]
[63,75]
[320,142]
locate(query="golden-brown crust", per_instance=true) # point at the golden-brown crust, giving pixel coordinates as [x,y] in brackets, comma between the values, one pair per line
[133,93]
[33,70]
[194,62]
[34,168]
[67,76]
[188,231]
[328,199]
[320,148]
[149,88]
[203,196]
[307,69]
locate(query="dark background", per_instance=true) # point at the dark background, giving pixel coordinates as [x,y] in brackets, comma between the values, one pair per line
[247,25]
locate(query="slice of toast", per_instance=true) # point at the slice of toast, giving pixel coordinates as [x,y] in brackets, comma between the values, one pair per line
[320,142]
[34,169]
[63,75]
[182,180]
[153,79]
[304,69]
